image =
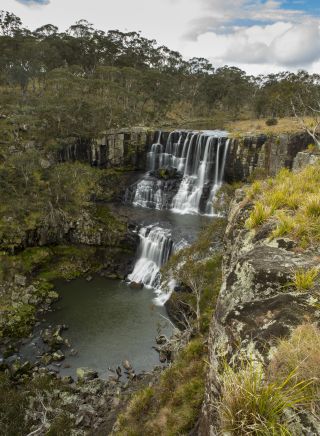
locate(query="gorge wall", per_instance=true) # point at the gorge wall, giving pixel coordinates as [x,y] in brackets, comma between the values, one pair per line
[129,147]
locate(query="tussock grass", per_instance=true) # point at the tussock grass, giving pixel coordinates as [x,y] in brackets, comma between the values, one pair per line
[258,400]
[304,279]
[292,200]
[285,225]
[300,355]
[259,215]
[253,405]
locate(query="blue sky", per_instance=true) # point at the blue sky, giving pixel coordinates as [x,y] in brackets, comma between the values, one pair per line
[259,36]
[310,6]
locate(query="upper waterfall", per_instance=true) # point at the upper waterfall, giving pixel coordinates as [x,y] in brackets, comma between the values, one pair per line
[195,162]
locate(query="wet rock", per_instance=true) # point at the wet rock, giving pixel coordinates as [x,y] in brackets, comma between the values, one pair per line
[161,339]
[85,374]
[46,359]
[53,337]
[89,278]
[135,285]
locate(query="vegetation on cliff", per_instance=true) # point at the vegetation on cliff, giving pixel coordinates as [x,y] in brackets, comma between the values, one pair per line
[265,400]
[291,204]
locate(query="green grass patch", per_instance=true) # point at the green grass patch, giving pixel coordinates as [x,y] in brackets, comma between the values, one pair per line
[292,202]
[172,406]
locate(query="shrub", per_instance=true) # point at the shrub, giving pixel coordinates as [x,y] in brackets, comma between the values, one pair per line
[272,122]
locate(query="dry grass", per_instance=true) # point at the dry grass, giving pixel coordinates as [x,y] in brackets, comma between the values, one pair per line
[292,201]
[256,127]
[256,400]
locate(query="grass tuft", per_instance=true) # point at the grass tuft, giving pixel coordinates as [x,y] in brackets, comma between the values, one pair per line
[304,280]
[259,215]
[251,404]
[300,355]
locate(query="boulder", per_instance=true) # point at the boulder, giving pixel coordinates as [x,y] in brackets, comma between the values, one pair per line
[135,285]
[85,374]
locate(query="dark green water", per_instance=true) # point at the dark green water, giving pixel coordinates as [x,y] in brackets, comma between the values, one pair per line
[108,323]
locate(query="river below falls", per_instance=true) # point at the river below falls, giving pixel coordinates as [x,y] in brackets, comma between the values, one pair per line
[109,322]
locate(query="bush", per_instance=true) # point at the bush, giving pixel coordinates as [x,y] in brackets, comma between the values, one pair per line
[272,122]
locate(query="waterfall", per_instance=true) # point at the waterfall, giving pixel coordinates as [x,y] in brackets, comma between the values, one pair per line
[198,159]
[155,249]
[218,178]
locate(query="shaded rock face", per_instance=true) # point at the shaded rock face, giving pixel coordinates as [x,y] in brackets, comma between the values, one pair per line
[114,149]
[257,304]
[264,154]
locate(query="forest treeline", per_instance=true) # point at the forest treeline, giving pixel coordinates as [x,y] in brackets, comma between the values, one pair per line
[83,81]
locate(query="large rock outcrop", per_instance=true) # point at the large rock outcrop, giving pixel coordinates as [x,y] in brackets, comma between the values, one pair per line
[257,304]
[264,154]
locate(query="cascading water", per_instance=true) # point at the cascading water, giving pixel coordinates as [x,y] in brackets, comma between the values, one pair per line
[155,249]
[184,172]
[218,178]
[198,159]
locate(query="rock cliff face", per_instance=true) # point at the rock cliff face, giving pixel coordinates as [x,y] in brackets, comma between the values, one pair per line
[126,147]
[129,147]
[257,305]
[266,154]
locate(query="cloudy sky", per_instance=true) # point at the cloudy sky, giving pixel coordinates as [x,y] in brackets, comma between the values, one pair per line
[259,36]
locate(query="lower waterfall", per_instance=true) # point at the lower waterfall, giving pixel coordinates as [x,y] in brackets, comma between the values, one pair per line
[155,249]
